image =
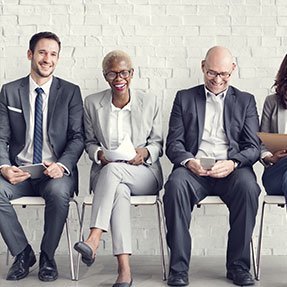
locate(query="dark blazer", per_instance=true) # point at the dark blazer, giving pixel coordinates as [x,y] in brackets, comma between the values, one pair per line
[64,123]
[187,122]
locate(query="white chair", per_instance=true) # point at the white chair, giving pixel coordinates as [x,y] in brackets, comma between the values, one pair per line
[136,201]
[39,201]
[278,200]
[212,200]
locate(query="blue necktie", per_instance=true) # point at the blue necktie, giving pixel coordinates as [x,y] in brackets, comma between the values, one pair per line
[38,127]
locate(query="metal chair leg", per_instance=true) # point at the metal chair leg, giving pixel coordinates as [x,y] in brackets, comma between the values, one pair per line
[81,237]
[72,271]
[259,245]
[253,258]
[160,220]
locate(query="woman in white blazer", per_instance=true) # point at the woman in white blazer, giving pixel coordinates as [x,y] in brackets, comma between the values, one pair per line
[274,120]
[123,130]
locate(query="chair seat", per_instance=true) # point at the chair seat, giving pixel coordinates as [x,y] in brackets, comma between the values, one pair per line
[274,199]
[135,200]
[28,200]
[211,199]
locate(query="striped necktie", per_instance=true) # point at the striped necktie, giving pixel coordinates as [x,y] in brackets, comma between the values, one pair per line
[38,127]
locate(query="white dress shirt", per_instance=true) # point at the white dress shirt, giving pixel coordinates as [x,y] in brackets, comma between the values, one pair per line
[26,155]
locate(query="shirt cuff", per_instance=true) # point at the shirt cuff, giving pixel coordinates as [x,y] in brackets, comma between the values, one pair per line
[97,161]
[66,170]
[183,163]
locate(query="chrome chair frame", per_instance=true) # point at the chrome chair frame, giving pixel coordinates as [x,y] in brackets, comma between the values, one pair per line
[278,200]
[39,201]
[136,201]
[214,199]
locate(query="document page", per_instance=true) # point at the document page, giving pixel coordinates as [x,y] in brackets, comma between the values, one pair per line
[125,151]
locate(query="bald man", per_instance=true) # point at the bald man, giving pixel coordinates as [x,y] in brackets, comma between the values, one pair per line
[218,122]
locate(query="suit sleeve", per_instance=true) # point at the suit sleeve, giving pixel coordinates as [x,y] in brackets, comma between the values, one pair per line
[92,144]
[4,129]
[249,142]
[75,133]
[175,145]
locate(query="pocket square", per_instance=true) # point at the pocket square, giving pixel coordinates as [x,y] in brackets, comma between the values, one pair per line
[14,109]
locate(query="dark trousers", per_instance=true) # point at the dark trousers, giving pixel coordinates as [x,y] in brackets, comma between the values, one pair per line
[274,178]
[239,191]
[56,192]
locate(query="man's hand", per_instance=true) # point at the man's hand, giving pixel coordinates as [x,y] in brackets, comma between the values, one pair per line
[221,169]
[141,156]
[102,158]
[53,170]
[275,157]
[194,166]
[14,174]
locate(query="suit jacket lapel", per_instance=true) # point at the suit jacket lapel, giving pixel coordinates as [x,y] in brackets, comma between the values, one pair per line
[136,113]
[24,99]
[200,102]
[104,112]
[229,104]
[53,95]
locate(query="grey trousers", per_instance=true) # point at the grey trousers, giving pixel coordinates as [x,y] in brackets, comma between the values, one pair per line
[56,192]
[111,202]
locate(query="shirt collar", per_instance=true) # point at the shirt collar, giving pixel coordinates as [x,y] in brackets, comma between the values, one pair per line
[208,93]
[127,107]
[46,87]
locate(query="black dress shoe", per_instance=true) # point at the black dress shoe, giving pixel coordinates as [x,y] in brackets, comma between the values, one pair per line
[20,267]
[86,252]
[178,279]
[47,269]
[240,277]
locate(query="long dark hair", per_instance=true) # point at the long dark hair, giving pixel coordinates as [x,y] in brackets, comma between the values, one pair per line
[281,83]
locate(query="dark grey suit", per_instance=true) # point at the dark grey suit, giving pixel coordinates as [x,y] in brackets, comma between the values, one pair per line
[65,135]
[239,190]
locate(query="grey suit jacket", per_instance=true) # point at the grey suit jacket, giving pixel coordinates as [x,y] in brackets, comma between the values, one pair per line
[146,123]
[272,120]
[64,122]
[187,122]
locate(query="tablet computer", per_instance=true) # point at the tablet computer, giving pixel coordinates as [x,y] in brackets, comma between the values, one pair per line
[207,162]
[36,170]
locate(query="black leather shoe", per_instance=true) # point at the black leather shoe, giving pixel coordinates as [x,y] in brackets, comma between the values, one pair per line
[240,277]
[20,267]
[47,269]
[86,252]
[178,279]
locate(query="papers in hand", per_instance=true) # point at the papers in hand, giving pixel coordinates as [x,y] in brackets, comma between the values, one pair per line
[125,151]
[273,142]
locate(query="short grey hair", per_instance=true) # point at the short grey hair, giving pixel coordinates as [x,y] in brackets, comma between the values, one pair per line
[116,55]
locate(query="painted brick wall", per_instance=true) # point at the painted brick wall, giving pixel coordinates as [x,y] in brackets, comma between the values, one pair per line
[167,40]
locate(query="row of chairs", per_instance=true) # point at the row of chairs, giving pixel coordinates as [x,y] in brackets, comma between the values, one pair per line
[144,201]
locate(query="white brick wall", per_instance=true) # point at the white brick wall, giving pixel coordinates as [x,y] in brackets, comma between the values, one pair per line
[167,40]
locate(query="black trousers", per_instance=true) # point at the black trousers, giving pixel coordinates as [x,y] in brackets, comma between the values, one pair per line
[239,191]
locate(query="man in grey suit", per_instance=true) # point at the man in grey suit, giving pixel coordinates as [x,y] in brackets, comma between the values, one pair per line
[217,121]
[54,136]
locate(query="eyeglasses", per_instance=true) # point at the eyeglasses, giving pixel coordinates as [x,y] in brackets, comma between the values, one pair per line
[123,74]
[222,75]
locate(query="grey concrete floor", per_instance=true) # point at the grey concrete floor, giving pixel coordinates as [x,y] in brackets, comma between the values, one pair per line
[204,271]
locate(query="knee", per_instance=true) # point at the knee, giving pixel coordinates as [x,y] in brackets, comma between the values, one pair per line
[59,193]
[122,192]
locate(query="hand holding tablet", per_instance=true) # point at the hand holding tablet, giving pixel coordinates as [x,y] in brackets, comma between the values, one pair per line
[36,170]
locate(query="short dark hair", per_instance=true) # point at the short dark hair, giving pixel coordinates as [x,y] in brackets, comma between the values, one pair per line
[43,35]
